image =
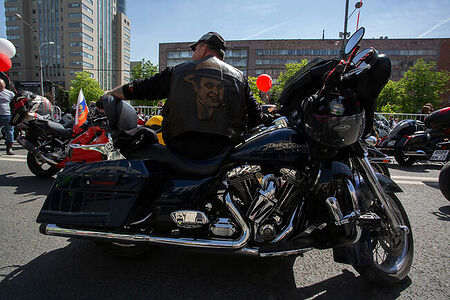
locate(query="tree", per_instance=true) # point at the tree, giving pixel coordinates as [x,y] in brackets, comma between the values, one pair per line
[423,84]
[143,70]
[91,88]
[285,77]
[390,97]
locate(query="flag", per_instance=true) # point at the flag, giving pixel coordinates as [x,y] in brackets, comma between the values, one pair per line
[81,111]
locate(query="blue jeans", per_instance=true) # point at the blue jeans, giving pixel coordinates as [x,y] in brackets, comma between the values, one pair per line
[9,130]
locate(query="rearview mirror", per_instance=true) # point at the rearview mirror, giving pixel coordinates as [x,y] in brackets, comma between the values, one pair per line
[354,40]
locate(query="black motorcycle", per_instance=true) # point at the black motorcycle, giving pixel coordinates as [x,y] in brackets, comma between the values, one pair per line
[412,140]
[303,183]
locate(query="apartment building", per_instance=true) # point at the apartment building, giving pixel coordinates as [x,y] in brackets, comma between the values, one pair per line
[68,36]
[256,57]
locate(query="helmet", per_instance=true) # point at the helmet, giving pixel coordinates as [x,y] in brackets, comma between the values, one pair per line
[334,121]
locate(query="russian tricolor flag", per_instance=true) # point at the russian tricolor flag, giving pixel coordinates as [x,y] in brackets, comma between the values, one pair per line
[81,111]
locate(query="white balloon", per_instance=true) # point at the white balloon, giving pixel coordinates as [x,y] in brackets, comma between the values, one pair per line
[7,48]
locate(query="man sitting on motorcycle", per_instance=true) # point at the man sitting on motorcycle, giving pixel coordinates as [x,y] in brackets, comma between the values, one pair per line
[209,103]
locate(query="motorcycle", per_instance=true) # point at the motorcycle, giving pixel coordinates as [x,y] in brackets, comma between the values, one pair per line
[302,183]
[413,140]
[52,144]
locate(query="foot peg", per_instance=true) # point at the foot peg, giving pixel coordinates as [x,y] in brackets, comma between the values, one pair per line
[369,220]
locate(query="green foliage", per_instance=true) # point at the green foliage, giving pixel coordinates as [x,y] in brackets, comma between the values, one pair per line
[143,70]
[285,77]
[91,88]
[421,84]
[254,89]
[391,96]
[277,88]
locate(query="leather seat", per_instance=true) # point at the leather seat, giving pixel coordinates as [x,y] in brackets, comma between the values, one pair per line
[58,129]
[169,159]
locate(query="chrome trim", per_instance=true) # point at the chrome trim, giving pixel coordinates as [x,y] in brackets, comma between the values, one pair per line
[290,227]
[52,229]
[141,221]
[255,252]
[189,218]
[94,147]
[368,173]
[334,209]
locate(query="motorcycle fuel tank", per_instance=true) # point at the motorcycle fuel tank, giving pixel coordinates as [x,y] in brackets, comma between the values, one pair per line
[281,147]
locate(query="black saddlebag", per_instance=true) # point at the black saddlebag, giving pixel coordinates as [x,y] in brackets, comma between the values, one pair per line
[98,194]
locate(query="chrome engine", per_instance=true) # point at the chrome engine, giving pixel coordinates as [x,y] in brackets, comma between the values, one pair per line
[269,200]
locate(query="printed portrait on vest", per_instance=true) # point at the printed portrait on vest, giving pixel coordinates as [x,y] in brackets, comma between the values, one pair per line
[209,87]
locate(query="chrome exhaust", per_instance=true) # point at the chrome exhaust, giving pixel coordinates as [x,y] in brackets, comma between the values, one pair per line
[34,150]
[220,244]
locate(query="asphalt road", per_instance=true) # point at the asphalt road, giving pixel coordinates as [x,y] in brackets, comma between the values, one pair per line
[34,266]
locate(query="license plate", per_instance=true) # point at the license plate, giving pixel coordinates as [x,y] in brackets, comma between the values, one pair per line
[440,155]
[391,143]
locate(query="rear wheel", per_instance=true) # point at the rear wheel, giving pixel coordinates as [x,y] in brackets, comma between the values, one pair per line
[393,251]
[40,169]
[403,160]
[123,250]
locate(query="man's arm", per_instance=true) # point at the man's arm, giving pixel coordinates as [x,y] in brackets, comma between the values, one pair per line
[152,88]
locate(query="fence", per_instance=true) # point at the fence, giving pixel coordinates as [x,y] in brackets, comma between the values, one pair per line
[399,116]
[148,110]
[156,110]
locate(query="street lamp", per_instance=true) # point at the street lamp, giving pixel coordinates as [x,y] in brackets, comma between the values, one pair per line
[40,58]
[39,49]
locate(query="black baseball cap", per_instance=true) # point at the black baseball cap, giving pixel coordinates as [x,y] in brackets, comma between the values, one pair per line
[213,39]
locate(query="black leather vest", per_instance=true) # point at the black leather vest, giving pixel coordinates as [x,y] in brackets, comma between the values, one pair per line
[205,96]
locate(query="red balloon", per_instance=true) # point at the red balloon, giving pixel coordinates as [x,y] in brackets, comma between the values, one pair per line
[264,82]
[5,63]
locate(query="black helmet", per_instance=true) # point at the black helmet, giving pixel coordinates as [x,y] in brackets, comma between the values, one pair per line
[334,121]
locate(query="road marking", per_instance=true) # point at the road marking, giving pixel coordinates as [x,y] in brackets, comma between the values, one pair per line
[414,178]
[13,159]
[415,182]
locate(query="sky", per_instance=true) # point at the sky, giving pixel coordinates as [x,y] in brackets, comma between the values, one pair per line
[153,22]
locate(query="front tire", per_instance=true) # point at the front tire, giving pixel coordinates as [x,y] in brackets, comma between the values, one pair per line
[392,252]
[404,160]
[444,181]
[40,169]
[381,168]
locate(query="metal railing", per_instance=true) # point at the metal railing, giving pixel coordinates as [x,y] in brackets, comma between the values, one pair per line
[400,116]
[148,110]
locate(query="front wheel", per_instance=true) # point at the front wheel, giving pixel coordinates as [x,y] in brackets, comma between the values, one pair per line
[40,169]
[403,160]
[444,181]
[393,251]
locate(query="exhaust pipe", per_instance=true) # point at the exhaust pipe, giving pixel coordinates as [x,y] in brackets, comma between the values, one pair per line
[34,150]
[220,244]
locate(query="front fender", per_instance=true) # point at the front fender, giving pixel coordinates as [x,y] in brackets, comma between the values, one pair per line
[388,185]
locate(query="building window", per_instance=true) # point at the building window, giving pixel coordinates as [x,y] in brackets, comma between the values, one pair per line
[87,9]
[90,1]
[127,30]
[6,1]
[11,9]
[81,34]
[81,63]
[10,18]
[73,5]
[13,27]
[12,37]
[81,53]
[81,15]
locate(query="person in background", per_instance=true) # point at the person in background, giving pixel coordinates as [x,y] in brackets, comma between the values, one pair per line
[5,115]
[209,103]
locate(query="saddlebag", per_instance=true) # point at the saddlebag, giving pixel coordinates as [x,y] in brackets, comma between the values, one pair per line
[97,194]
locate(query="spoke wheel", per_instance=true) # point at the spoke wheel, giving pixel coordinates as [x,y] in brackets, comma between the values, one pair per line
[392,250]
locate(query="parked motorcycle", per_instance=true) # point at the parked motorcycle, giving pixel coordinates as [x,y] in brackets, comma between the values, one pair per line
[413,140]
[52,144]
[303,183]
